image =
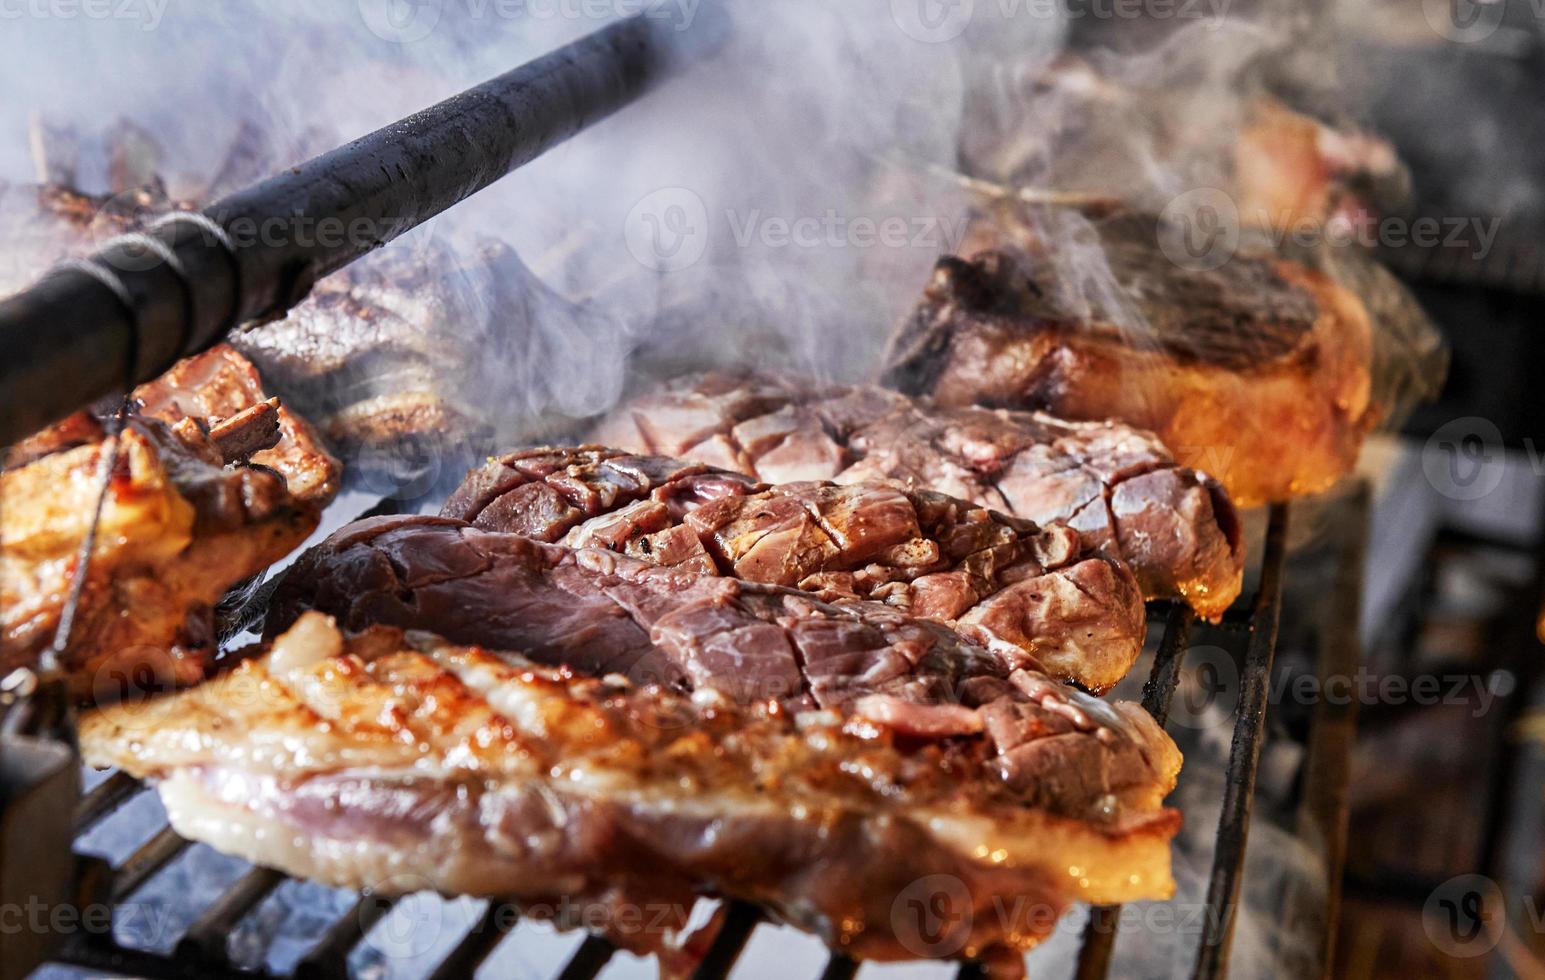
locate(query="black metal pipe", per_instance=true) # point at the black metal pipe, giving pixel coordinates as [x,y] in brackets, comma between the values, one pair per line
[126,314]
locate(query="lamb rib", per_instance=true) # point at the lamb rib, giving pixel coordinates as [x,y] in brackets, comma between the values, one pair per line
[1034,595]
[453,769]
[1114,484]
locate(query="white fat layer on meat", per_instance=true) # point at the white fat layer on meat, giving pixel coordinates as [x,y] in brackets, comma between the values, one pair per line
[227,812]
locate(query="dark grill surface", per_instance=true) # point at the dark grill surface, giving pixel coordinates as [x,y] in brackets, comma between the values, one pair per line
[202,949]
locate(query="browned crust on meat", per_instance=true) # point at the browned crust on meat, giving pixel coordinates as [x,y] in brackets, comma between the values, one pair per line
[1001,581]
[1116,485]
[1257,372]
[389,762]
[178,528]
[219,384]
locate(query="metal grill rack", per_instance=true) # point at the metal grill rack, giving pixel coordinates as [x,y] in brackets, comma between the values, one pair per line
[201,951]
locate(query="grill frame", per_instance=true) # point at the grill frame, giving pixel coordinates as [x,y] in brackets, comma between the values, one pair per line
[201,951]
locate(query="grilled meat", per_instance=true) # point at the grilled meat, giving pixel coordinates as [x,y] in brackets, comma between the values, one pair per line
[178,527]
[999,581]
[473,773]
[1115,485]
[1257,370]
[213,481]
[600,612]
[219,384]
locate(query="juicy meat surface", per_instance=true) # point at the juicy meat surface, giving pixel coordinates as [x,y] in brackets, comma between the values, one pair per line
[178,528]
[1114,484]
[219,384]
[1029,593]
[601,612]
[1257,371]
[468,772]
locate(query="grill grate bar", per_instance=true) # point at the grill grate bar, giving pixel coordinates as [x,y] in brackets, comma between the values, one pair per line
[840,967]
[589,959]
[205,940]
[142,865]
[1099,941]
[1244,756]
[103,799]
[329,958]
[497,920]
[740,919]
[201,949]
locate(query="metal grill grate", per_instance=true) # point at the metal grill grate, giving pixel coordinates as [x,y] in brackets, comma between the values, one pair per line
[202,952]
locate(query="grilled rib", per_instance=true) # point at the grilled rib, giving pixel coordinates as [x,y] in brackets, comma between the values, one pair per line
[1116,485]
[1032,593]
[401,762]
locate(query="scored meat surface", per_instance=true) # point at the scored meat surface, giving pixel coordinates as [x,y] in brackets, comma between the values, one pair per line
[178,527]
[1027,592]
[601,612]
[1257,370]
[1116,485]
[473,773]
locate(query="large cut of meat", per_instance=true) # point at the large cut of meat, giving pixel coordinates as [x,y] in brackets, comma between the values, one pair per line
[601,612]
[1257,370]
[395,762]
[1115,485]
[1031,593]
[178,528]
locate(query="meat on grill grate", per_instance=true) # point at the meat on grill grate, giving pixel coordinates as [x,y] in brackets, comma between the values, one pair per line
[1257,370]
[178,528]
[1033,595]
[1115,485]
[453,769]
[213,481]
